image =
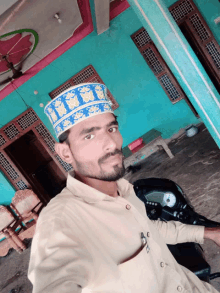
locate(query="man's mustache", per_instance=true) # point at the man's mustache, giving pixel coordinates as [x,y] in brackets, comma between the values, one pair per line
[116,152]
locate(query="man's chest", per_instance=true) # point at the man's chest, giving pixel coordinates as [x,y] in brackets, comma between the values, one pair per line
[115,227]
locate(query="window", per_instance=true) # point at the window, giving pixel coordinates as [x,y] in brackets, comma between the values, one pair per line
[199,36]
[201,39]
[157,64]
[88,74]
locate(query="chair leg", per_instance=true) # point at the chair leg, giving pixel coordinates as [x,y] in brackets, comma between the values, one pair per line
[4,247]
[14,240]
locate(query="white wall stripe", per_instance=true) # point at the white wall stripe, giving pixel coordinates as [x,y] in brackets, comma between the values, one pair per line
[177,68]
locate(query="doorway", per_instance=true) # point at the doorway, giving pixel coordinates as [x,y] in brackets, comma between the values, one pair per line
[200,55]
[37,166]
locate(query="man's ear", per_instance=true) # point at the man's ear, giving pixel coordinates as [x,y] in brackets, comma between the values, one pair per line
[63,150]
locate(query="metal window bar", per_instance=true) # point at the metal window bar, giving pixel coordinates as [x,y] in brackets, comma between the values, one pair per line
[21,185]
[170,88]
[11,131]
[214,53]
[199,27]
[153,61]
[27,120]
[67,167]
[181,10]
[4,163]
[2,140]
[47,137]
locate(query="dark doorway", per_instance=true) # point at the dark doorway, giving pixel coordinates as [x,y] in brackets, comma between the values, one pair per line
[37,166]
[200,55]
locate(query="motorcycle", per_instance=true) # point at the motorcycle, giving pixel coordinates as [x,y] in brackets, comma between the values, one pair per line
[165,200]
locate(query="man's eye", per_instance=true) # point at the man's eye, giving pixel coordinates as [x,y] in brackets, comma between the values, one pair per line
[113,129]
[89,136]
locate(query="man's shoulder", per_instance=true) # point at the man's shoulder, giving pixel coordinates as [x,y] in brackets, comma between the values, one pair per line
[57,207]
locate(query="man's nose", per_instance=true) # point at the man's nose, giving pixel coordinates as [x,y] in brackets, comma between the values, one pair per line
[109,143]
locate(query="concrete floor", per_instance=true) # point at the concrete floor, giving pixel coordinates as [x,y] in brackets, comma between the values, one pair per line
[13,272]
[195,167]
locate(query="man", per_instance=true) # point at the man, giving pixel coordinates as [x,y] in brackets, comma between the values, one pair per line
[95,234]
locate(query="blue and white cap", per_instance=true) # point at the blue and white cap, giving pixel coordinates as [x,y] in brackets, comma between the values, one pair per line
[76,104]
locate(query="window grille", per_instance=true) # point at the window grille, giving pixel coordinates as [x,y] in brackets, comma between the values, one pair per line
[27,119]
[199,27]
[85,74]
[214,53]
[8,167]
[158,66]
[2,140]
[181,9]
[21,185]
[67,167]
[169,87]
[11,131]
[153,61]
[47,137]
[88,74]
[142,38]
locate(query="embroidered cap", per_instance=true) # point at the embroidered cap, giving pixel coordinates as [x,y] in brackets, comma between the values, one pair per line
[76,104]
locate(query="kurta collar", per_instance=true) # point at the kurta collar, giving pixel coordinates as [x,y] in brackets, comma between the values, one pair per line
[90,194]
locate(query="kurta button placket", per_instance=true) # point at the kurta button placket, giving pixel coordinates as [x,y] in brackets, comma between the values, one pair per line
[179,288]
[128,207]
[148,249]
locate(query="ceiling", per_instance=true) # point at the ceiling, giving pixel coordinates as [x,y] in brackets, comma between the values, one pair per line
[48,24]
[39,16]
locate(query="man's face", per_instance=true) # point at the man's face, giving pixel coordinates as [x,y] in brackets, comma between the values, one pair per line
[96,144]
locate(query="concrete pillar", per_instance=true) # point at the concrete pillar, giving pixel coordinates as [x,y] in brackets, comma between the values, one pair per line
[182,61]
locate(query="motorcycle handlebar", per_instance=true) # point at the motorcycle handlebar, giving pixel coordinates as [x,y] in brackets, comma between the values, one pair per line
[187,216]
[203,221]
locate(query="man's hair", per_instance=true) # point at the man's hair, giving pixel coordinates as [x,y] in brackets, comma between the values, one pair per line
[64,136]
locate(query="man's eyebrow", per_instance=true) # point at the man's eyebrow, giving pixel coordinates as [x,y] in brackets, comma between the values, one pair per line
[91,129]
[112,123]
[88,130]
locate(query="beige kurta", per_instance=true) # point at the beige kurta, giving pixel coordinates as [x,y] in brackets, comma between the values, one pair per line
[84,238]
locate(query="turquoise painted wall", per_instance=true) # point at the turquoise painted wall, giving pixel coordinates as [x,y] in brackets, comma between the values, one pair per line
[6,190]
[143,103]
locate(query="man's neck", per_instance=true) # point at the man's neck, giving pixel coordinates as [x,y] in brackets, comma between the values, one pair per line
[106,187]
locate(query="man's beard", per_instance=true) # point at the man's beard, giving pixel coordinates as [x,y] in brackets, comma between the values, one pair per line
[114,175]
